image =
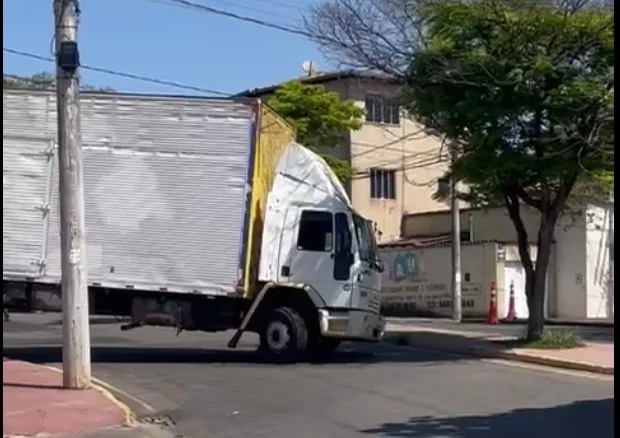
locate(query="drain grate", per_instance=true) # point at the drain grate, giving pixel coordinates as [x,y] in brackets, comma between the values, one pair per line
[158,420]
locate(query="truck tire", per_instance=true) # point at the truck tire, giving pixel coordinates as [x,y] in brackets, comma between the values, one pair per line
[284,335]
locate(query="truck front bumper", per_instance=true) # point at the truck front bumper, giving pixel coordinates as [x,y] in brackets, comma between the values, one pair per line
[355,325]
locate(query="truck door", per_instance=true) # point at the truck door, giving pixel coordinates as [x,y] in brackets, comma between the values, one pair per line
[365,275]
[317,257]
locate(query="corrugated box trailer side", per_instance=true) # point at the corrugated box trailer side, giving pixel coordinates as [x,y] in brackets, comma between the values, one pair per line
[166,190]
[273,135]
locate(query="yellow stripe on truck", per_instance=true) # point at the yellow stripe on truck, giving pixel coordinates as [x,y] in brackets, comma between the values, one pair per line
[274,134]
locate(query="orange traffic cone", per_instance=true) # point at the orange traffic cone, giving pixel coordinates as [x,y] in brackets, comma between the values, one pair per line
[492,317]
[512,312]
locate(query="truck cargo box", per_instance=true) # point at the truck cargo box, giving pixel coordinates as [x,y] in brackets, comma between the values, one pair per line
[174,189]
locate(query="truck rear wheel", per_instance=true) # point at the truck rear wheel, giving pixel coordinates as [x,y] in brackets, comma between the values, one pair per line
[284,335]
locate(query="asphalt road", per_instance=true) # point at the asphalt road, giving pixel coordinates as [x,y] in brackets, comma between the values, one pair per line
[365,391]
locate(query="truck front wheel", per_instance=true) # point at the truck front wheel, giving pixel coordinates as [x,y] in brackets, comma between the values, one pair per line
[284,335]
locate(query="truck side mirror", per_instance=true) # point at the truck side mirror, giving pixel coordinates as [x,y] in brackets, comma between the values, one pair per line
[378,264]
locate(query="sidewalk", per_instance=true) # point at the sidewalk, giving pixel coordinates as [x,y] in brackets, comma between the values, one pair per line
[592,322]
[596,357]
[35,403]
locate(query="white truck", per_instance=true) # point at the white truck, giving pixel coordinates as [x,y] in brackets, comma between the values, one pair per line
[201,214]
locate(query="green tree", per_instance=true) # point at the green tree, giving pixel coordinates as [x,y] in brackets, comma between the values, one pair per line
[525,93]
[320,118]
[40,81]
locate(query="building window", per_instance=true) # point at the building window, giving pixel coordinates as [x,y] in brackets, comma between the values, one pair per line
[382,184]
[381,109]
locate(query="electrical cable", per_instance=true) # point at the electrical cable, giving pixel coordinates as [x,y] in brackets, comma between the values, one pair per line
[122,74]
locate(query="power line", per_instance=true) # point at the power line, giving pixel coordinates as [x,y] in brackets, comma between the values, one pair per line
[245,18]
[389,143]
[228,3]
[416,165]
[122,74]
[283,28]
[281,4]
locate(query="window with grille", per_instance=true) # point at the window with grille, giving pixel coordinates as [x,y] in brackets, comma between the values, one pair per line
[382,183]
[380,109]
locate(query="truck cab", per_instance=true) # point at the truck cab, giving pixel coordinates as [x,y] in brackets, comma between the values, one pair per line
[314,240]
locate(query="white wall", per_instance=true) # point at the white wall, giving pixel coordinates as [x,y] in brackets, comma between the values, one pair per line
[579,270]
[571,271]
[423,285]
[599,231]
[583,270]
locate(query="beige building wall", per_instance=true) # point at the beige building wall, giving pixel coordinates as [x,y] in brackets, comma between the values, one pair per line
[487,224]
[404,148]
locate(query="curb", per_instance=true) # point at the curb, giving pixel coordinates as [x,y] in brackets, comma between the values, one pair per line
[107,391]
[492,353]
[556,363]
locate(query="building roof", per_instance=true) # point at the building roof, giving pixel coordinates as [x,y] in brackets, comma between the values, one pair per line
[322,78]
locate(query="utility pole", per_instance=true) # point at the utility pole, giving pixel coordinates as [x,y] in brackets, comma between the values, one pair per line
[449,188]
[75,324]
[457,310]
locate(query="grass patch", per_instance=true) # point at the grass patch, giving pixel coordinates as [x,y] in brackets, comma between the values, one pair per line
[550,340]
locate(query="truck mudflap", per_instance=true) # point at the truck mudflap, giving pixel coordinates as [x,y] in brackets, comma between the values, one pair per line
[352,324]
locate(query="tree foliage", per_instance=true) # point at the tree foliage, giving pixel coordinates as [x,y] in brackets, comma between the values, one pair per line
[385,35]
[320,118]
[525,92]
[40,81]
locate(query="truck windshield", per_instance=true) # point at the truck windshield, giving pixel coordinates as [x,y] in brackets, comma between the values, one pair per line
[365,239]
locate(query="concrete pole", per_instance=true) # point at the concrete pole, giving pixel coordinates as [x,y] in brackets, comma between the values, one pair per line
[457,311]
[75,327]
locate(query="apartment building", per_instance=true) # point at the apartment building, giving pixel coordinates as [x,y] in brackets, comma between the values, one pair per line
[396,164]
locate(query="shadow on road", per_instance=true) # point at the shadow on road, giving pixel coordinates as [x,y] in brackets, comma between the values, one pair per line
[578,419]
[347,355]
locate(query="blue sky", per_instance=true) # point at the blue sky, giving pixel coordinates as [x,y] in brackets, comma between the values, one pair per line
[157,39]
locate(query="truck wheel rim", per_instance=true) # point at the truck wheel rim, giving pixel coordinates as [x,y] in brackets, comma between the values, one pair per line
[277,336]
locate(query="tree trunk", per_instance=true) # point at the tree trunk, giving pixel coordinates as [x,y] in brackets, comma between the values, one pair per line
[549,208]
[536,304]
[538,288]
[535,271]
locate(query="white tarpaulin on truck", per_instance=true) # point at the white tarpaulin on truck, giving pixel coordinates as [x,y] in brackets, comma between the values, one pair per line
[165,186]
